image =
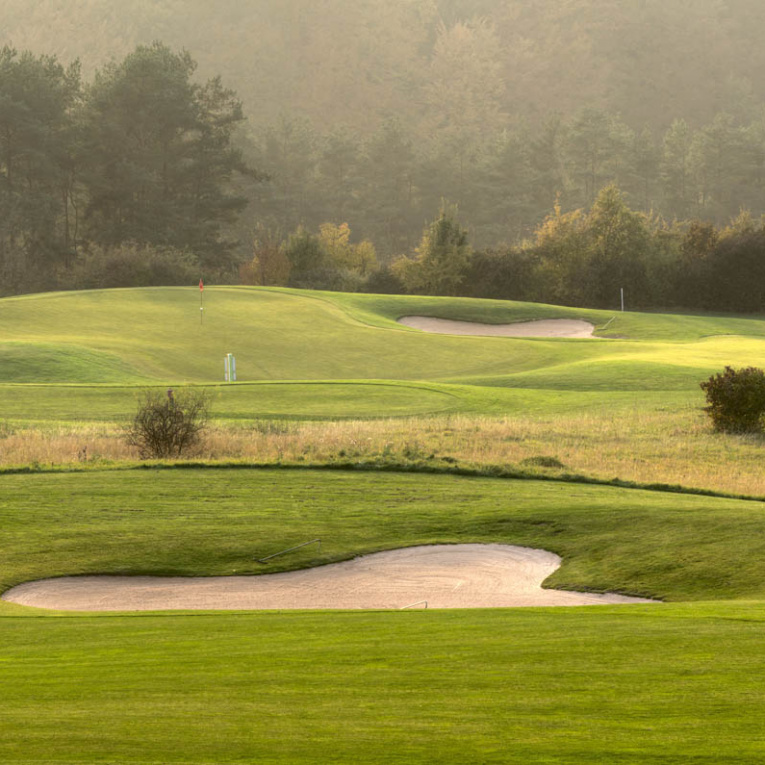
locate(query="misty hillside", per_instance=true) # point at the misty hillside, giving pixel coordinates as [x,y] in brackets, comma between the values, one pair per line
[561,148]
[344,61]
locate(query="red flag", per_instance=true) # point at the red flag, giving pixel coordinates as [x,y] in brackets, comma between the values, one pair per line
[201,285]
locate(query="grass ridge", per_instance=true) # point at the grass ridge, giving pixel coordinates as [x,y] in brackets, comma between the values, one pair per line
[378,466]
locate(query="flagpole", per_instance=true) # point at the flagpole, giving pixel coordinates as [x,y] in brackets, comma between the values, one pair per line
[201,301]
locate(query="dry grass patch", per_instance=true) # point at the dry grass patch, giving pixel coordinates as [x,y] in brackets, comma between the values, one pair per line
[63,445]
[649,447]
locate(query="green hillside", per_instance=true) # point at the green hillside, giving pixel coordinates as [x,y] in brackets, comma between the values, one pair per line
[283,56]
[197,521]
[81,355]
[362,687]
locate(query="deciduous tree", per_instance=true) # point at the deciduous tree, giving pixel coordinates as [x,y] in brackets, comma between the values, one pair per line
[441,261]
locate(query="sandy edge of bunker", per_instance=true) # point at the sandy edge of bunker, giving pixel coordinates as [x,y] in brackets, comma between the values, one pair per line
[539,328]
[433,576]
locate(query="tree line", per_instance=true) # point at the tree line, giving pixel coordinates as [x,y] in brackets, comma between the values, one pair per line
[585,257]
[387,184]
[147,175]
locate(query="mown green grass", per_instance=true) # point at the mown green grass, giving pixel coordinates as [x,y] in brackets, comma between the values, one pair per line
[381,310]
[242,401]
[22,362]
[118,340]
[664,683]
[660,685]
[50,404]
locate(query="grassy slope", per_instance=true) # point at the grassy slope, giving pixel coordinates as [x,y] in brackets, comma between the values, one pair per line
[202,521]
[639,684]
[378,310]
[133,337]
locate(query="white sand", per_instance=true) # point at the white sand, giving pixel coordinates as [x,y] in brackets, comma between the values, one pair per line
[542,328]
[446,576]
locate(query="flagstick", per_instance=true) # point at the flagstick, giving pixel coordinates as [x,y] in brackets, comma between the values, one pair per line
[201,304]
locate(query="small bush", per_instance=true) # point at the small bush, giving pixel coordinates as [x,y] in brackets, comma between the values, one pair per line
[736,399]
[543,462]
[384,282]
[168,424]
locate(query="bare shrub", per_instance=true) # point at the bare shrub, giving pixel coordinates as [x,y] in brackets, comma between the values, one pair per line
[168,424]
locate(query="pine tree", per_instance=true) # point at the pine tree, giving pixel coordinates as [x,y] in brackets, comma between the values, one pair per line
[161,155]
[37,100]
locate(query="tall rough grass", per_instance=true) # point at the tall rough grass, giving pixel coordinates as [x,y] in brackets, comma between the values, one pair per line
[654,447]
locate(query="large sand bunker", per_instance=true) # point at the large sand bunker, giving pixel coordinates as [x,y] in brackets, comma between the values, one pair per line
[446,576]
[541,328]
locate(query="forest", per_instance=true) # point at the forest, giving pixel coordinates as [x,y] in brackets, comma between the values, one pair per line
[330,144]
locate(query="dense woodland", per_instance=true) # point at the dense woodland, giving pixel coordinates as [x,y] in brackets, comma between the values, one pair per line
[314,144]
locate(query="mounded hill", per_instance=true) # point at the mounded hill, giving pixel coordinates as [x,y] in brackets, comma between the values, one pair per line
[300,353]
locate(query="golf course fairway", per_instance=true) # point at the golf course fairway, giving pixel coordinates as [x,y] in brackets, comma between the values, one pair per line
[677,680]
[81,356]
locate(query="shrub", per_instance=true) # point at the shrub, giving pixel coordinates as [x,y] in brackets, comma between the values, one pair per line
[736,399]
[168,424]
[130,265]
[543,462]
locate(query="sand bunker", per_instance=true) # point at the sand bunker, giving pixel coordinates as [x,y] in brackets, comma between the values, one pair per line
[446,576]
[542,328]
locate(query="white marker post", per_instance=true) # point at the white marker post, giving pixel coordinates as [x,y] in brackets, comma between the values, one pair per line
[622,299]
[229,368]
